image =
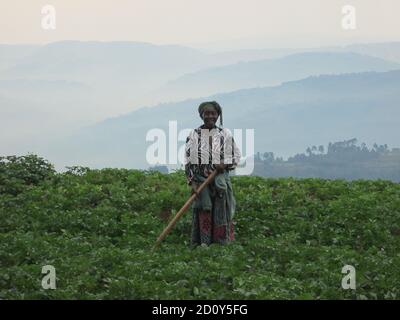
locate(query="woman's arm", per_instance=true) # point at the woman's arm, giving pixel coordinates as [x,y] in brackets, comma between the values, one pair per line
[232,153]
[189,147]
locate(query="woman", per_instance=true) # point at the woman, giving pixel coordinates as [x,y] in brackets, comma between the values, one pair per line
[210,148]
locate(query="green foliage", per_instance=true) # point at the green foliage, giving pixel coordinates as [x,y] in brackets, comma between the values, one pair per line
[97,228]
[16,173]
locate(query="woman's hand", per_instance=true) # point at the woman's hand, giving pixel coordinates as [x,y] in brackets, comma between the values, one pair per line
[220,167]
[194,187]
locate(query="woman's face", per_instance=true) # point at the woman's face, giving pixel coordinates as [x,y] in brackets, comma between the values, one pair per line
[210,116]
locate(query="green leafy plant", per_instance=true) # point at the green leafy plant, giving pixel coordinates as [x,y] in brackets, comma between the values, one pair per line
[97,227]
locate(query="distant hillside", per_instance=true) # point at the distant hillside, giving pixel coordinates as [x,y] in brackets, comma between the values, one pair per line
[386,50]
[127,74]
[270,72]
[339,160]
[51,90]
[112,68]
[82,82]
[72,83]
[286,119]
[11,54]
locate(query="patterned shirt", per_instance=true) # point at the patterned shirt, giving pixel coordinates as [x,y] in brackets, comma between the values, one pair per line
[207,147]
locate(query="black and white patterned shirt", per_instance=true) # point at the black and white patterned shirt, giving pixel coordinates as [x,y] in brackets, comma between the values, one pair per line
[207,147]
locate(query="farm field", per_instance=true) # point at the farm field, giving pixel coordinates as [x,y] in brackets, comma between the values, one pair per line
[97,228]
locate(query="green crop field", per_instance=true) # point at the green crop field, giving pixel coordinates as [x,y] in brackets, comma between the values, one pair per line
[97,228]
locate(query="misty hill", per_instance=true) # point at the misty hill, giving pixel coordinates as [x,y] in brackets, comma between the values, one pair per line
[134,65]
[386,50]
[286,119]
[36,88]
[71,83]
[115,77]
[11,54]
[113,65]
[271,72]
[126,74]
[34,109]
[47,91]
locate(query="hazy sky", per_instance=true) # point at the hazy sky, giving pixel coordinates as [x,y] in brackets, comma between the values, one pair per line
[280,22]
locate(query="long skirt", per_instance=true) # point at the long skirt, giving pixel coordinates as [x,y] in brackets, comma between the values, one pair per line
[213,212]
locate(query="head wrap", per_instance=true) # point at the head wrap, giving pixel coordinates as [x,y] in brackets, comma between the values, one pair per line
[214,104]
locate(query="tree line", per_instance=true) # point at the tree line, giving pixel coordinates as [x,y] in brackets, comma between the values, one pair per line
[339,160]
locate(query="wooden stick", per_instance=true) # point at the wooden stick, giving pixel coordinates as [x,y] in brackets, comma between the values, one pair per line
[184,208]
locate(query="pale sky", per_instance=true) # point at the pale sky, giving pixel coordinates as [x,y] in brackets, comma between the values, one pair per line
[281,22]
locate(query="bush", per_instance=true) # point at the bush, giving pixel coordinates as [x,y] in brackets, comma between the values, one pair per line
[18,172]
